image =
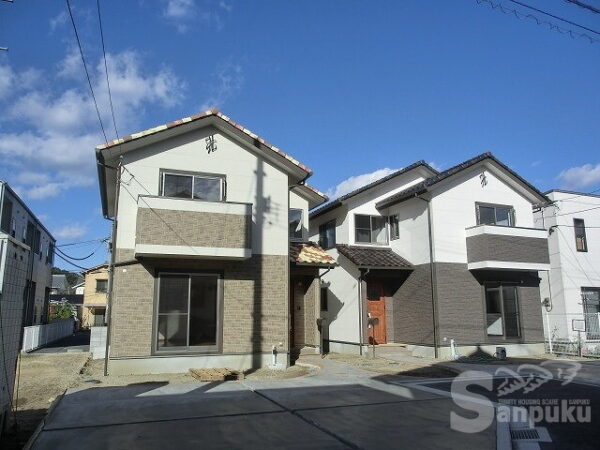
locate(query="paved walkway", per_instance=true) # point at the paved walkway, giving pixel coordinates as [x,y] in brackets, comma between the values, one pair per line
[76,343]
[341,407]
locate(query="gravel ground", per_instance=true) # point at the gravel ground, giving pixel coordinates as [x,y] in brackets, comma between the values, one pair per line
[42,378]
[389,367]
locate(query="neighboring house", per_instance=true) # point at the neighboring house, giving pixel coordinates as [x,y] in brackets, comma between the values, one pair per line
[26,257]
[94,298]
[573,288]
[429,258]
[60,285]
[79,288]
[203,274]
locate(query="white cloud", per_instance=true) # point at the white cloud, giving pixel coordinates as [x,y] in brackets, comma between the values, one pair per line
[59,20]
[536,163]
[229,79]
[435,165]
[580,177]
[55,151]
[352,183]
[184,14]
[7,78]
[71,231]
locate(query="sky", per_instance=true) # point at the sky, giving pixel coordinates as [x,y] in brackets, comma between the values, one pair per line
[352,89]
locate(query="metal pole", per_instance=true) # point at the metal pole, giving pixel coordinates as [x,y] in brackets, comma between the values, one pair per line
[549,332]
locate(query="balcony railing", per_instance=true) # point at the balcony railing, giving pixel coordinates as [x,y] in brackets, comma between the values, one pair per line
[507,248]
[175,227]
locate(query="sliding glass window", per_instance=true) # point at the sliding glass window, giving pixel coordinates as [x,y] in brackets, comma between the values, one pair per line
[502,311]
[188,313]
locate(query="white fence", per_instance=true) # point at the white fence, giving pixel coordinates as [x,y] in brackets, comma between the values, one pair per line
[572,334]
[38,336]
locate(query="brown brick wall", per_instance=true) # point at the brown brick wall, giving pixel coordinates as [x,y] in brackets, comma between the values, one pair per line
[255,303]
[461,306]
[170,227]
[497,247]
[412,308]
[306,300]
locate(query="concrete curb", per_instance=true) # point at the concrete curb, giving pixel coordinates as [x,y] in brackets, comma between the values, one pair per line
[42,423]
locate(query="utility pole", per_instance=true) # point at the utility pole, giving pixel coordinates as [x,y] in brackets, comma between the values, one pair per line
[5,48]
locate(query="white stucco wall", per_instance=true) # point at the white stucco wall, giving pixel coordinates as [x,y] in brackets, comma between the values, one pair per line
[250,179]
[570,270]
[454,210]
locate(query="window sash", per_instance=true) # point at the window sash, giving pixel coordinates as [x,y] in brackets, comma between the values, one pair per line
[580,238]
[295,223]
[377,232]
[327,235]
[186,317]
[500,215]
[195,183]
[394,227]
[502,311]
[101,285]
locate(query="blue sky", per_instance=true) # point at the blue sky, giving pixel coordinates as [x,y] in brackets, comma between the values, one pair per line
[349,88]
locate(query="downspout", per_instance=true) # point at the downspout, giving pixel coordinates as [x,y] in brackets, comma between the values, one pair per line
[360,309]
[111,270]
[432,276]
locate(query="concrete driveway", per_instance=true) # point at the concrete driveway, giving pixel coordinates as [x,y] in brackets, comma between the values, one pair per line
[343,409]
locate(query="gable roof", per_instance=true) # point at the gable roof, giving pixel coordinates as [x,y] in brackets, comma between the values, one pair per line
[214,117]
[425,185]
[338,201]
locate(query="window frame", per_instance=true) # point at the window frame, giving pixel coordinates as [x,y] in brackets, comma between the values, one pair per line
[589,333]
[583,236]
[187,350]
[394,236]
[500,287]
[301,237]
[7,215]
[100,290]
[323,227]
[222,178]
[512,217]
[371,242]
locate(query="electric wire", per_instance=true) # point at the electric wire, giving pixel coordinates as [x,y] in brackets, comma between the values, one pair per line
[72,263]
[80,258]
[552,26]
[83,242]
[112,109]
[553,16]
[87,74]
[586,6]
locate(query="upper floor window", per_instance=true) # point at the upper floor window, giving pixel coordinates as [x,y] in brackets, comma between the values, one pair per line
[295,223]
[50,254]
[5,222]
[394,227]
[580,239]
[495,215]
[198,187]
[327,235]
[101,285]
[370,229]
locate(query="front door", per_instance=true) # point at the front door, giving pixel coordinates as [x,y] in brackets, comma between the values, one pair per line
[376,310]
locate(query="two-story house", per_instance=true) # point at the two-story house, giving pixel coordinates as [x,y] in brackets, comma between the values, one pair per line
[26,259]
[95,288]
[571,289]
[429,259]
[205,273]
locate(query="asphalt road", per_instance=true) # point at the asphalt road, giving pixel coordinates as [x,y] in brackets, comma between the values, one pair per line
[577,435]
[77,342]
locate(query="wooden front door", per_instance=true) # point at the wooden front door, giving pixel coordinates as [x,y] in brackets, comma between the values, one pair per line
[376,310]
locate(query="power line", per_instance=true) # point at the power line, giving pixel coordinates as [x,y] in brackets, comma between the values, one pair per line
[584,6]
[575,212]
[83,242]
[69,262]
[554,17]
[551,26]
[77,258]
[112,109]
[578,195]
[87,74]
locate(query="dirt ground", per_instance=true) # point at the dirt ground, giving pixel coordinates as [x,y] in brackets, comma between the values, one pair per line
[389,367]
